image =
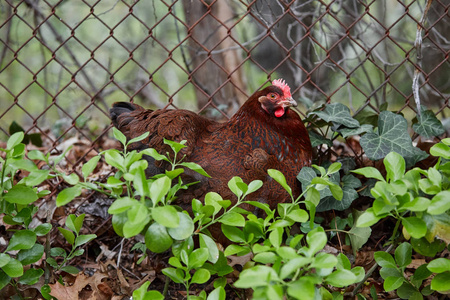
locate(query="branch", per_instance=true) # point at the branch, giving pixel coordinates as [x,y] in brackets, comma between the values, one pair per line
[418,45]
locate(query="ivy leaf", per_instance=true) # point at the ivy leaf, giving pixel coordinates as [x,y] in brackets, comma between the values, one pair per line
[358,235]
[428,125]
[346,132]
[317,139]
[349,184]
[391,136]
[339,114]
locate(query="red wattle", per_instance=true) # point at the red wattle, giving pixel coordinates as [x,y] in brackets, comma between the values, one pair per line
[279,112]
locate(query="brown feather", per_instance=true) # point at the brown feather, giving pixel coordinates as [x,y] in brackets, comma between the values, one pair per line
[251,142]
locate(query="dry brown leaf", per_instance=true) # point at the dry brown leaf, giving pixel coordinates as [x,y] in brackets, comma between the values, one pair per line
[71,292]
[415,263]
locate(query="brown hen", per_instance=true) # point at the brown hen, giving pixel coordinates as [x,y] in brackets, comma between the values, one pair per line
[263,134]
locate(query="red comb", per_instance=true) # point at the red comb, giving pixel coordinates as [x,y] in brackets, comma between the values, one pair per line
[283,86]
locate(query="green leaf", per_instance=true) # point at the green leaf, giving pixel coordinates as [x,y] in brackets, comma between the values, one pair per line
[395,166]
[159,188]
[335,167]
[391,136]
[358,235]
[316,239]
[20,194]
[384,259]
[341,278]
[198,257]
[256,276]
[121,205]
[265,258]
[195,167]
[22,239]
[416,227]
[142,293]
[32,255]
[176,147]
[338,114]
[213,199]
[293,265]
[71,179]
[37,177]
[42,229]
[276,237]
[217,294]
[343,263]
[233,233]
[74,223]
[324,261]
[70,269]
[298,215]
[4,259]
[157,239]
[139,138]
[185,228]
[119,136]
[166,216]
[115,159]
[440,282]
[234,186]
[36,155]
[153,153]
[441,150]
[31,276]
[254,186]
[368,218]
[67,195]
[439,265]
[83,239]
[279,177]
[14,140]
[359,273]
[68,235]
[302,289]
[232,219]
[403,255]
[201,276]
[138,217]
[369,172]
[13,268]
[392,283]
[208,243]
[177,275]
[233,249]
[439,203]
[428,125]
[418,204]
[89,167]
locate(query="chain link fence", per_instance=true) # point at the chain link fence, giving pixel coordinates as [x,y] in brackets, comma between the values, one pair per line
[63,63]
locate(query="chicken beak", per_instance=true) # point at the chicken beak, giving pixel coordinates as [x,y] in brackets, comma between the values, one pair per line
[288,102]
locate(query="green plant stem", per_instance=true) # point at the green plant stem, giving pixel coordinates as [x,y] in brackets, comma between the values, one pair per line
[213,221]
[13,283]
[394,233]
[369,273]
[166,287]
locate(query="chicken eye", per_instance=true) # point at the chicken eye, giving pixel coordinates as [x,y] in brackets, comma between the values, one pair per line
[272,96]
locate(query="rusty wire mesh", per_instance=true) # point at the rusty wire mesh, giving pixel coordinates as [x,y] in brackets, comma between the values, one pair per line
[63,63]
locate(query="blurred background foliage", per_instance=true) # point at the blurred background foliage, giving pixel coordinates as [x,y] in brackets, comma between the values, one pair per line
[63,63]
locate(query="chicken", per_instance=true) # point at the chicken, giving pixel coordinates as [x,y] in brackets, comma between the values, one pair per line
[263,134]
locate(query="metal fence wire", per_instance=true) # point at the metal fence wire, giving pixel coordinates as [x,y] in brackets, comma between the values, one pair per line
[63,63]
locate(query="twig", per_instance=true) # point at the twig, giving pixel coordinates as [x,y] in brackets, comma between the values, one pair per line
[119,255]
[369,273]
[418,45]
